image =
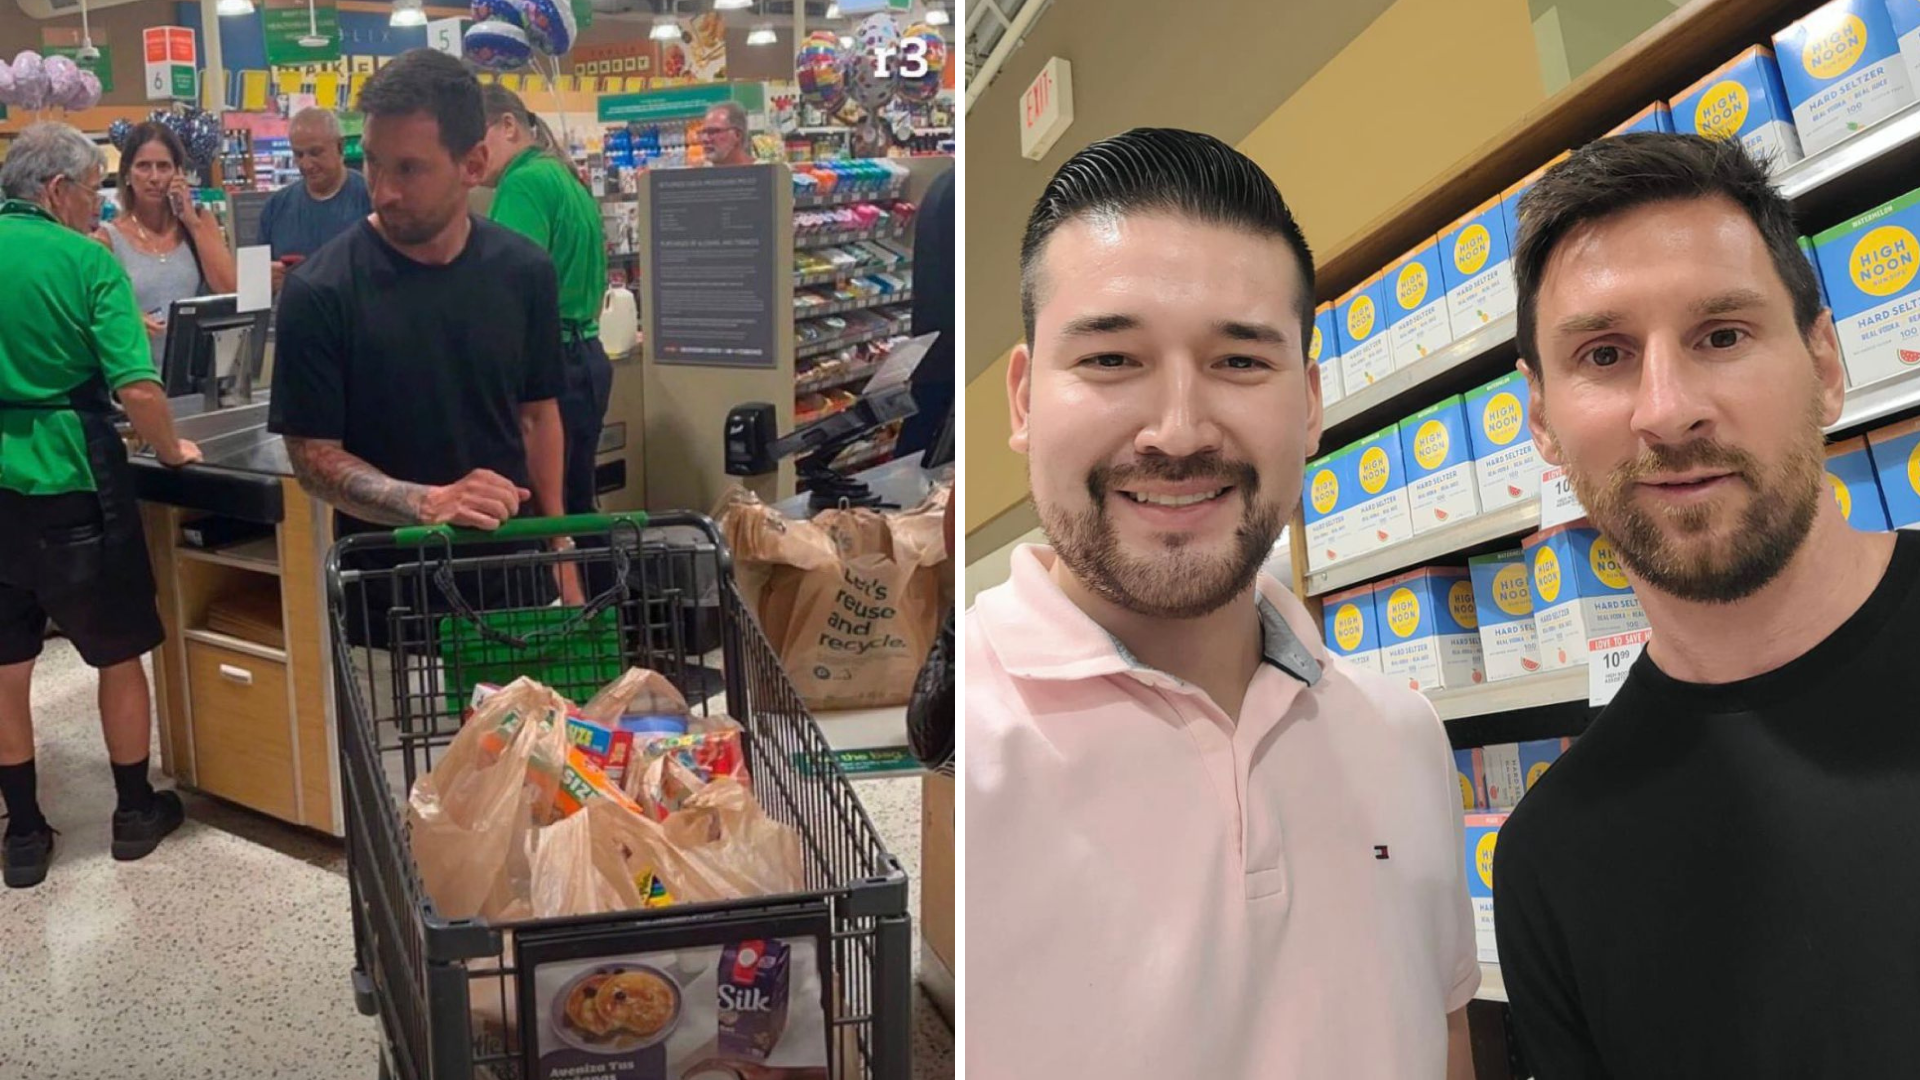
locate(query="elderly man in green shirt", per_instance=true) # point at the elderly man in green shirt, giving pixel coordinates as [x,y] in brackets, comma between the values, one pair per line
[71,547]
[538,195]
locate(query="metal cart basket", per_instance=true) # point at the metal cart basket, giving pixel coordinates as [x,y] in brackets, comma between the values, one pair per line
[419,616]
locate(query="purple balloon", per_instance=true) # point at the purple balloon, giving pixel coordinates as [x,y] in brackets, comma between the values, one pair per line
[63,78]
[6,84]
[30,80]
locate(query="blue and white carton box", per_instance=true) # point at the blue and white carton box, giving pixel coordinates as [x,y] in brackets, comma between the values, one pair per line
[1503,603]
[1506,780]
[1813,256]
[1506,464]
[1871,268]
[1744,99]
[1850,474]
[1428,634]
[1905,17]
[1366,347]
[1441,488]
[1324,349]
[1329,492]
[1382,515]
[1471,772]
[1476,263]
[1655,117]
[1417,322]
[1538,755]
[1896,461]
[1579,592]
[1842,69]
[1482,836]
[1510,199]
[1352,631]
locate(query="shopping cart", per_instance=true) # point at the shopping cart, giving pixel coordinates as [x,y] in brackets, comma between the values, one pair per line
[420,615]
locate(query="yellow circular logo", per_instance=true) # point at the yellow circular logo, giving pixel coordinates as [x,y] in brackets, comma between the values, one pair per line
[1841,495]
[1502,419]
[1430,444]
[1833,46]
[1510,593]
[1722,111]
[1347,627]
[1534,774]
[1460,602]
[1483,858]
[1326,491]
[1883,261]
[1913,469]
[1606,565]
[1546,575]
[1412,286]
[1360,318]
[1374,470]
[1470,249]
[1313,347]
[1466,792]
[1403,612]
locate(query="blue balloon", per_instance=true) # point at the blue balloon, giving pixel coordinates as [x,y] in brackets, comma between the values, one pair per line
[497,46]
[505,11]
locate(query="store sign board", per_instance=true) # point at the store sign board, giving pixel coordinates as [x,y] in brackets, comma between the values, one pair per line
[171,59]
[285,24]
[679,103]
[712,292]
[1046,109]
[445,35]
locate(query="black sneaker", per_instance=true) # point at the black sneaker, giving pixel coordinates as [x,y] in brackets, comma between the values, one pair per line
[28,856]
[136,834]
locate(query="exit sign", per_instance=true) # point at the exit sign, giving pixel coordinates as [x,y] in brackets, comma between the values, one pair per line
[1046,109]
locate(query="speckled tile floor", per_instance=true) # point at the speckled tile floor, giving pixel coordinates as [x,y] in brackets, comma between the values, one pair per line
[226,953]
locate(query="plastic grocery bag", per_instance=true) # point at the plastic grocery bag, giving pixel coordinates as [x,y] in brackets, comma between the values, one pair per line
[638,692]
[718,846]
[851,600]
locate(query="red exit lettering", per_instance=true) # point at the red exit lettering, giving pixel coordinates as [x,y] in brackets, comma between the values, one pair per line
[1037,97]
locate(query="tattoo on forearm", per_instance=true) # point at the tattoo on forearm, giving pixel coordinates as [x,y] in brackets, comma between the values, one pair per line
[351,485]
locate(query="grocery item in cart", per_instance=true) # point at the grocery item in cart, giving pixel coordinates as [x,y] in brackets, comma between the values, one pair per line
[753,997]
[704,755]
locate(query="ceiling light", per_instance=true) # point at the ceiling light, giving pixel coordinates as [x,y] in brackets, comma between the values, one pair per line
[846,42]
[938,17]
[407,13]
[665,29]
[762,35]
[833,11]
[235,7]
[731,5]
[313,38]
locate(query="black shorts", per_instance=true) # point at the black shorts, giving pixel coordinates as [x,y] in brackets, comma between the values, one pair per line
[56,560]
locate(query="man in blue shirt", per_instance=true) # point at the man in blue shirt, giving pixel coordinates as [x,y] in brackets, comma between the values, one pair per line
[330,199]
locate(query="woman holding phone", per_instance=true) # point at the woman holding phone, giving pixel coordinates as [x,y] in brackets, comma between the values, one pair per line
[171,249]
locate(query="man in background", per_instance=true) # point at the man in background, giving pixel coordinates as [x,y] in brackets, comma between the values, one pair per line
[723,133]
[329,198]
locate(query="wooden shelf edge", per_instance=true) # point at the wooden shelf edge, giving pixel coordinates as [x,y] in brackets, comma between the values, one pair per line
[236,644]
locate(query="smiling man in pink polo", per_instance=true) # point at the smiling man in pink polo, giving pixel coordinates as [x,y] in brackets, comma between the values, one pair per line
[1197,844]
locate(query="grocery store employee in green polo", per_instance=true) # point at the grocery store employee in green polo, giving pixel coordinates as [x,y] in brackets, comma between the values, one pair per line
[71,547]
[537,194]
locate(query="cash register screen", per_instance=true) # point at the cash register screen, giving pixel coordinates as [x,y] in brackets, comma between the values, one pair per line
[206,336]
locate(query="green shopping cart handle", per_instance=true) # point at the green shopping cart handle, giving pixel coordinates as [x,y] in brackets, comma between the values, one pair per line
[539,528]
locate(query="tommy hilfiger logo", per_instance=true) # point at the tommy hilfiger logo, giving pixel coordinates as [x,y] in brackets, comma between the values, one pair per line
[1380,851]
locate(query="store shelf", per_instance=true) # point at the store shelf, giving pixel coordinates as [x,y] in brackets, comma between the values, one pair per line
[1493,985]
[823,129]
[261,555]
[1527,692]
[835,276]
[1877,401]
[820,348]
[817,311]
[849,378]
[236,644]
[1480,529]
[876,456]
[1809,175]
[825,239]
[815,202]
[1495,335]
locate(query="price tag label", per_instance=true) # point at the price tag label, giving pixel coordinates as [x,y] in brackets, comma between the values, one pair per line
[1608,661]
[1558,504]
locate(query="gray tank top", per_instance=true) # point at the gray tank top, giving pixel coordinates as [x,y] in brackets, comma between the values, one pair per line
[158,280]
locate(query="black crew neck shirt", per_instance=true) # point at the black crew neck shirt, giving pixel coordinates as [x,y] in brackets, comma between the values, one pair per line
[1724,881]
[419,370]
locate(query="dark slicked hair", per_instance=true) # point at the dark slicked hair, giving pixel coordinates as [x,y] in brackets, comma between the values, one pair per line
[1621,173]
[1164,170]
[424,81]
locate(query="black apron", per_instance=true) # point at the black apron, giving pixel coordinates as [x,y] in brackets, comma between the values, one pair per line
[122,547]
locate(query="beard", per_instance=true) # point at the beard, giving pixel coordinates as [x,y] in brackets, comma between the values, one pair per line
[1174,581]
[402,228]
[1674,549]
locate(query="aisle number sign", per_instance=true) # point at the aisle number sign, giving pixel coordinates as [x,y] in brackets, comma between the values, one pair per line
[171,63]
[1046,109]
[445,35]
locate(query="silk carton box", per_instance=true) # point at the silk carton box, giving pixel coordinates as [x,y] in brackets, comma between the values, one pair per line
[1416,295]
[1743,99]
[1842,69]
[1503,604]
[1428,634]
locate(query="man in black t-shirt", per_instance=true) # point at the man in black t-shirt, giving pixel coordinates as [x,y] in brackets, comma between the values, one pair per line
[1719,879]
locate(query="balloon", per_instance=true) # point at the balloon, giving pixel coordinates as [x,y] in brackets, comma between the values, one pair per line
[497,46]
[30,81]
[6,84]
[818,67]
[934,53]
[506,11]
[85,93]
[117,133]
[63,77]
[550,25]
[876,36]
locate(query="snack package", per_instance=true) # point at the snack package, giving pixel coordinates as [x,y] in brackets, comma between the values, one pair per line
[705,757]
[611,748]
[582,781]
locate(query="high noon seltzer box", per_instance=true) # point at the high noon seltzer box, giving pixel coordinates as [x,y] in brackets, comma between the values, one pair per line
[1850,475]
[1476,263]
[1439,456]
[1329,492]
[1579,592]
[1506,780]
[1744,99]
[1470,771]
[1655,117]
[1324,349]
[1842,69]
[1503,604]
[1416,295]
[1366,349]
[1428,634]
[1506,465]
[1482,836]
[1896,460]
[1869,266]
[1537,755]
[1813,256]
[1381,514]
[1352,632]
[1905,17]
[1510,200]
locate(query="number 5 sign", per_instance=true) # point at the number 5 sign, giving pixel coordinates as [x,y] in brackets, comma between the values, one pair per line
[444,35]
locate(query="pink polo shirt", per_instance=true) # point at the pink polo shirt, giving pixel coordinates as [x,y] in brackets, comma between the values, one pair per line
[1154,891]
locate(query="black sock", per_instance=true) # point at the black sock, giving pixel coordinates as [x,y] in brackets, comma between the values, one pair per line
[19,786]
[130,781]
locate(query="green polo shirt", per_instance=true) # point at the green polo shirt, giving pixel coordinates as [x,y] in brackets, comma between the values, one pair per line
[67,316]
[541,199]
